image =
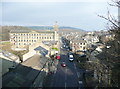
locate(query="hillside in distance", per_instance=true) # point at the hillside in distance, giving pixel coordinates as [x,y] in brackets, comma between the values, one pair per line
[61,28]
[4,30]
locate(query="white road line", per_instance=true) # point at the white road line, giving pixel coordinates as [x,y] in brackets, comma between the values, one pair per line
[65,85]
[65,74]
[75,67]
[78,74]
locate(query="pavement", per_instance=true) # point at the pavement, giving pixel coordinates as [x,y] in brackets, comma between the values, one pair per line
[25,73]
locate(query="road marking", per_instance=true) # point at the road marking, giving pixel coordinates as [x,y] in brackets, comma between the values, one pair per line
[65,85]
[75,66]
[78,74]
[65,74]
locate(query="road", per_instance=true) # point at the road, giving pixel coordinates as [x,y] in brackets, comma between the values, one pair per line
[68,76]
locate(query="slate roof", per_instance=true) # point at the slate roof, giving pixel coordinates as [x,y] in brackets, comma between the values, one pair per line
[28,31]
[42,50]
[79,41]
[49,43]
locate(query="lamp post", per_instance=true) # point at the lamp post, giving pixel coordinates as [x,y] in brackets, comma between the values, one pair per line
[108,67]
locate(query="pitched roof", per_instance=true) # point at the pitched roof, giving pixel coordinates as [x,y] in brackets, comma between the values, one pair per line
[42,50]
[79,41]
[28,31]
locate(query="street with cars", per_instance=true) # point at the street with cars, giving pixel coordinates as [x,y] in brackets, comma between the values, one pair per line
[67,75]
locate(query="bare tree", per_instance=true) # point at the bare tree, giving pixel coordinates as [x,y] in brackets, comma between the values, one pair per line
[110,18]
[114,28]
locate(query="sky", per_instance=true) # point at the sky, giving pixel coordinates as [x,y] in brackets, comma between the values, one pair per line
[74,13]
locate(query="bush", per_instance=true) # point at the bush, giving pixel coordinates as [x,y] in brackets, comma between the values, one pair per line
[55,49]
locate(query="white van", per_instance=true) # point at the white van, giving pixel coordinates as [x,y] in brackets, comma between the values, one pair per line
[71,57]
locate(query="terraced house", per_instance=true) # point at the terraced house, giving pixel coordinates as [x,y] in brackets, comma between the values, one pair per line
[78,45]
[24,38]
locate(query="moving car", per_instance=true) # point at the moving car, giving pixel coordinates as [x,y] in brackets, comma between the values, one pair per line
[71,57]
[63,64]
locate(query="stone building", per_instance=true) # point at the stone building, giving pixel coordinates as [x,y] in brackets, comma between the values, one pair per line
[26,38]
[78,45]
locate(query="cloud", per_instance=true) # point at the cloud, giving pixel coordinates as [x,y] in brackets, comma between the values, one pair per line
[78,14]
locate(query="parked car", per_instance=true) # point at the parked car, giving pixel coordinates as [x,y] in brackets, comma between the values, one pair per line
[63,64]
[58,57]
[71,59]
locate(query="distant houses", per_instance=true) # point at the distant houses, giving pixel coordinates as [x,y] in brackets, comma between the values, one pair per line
[88,40]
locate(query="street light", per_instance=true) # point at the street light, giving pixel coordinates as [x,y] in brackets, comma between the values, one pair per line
[108,67]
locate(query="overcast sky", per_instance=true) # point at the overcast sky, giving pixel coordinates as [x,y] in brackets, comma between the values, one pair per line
[74,13]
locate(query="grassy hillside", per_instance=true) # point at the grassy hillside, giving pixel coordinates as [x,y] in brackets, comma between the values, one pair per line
[4,31]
